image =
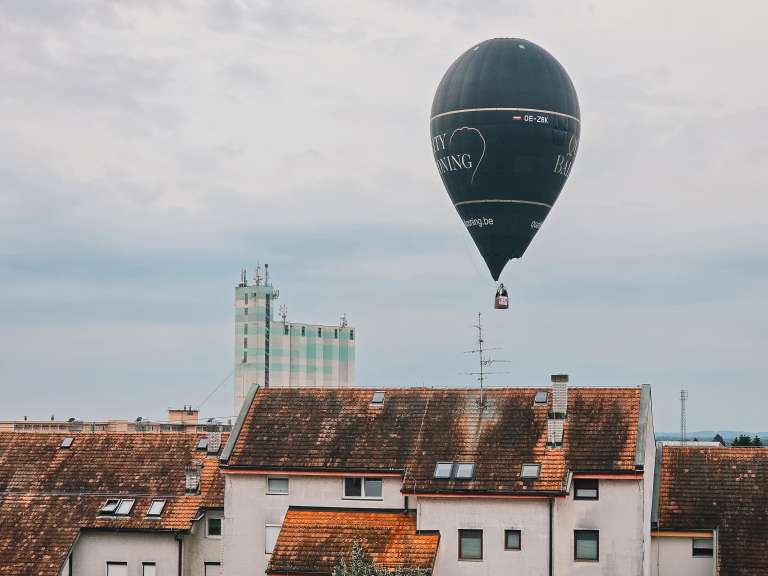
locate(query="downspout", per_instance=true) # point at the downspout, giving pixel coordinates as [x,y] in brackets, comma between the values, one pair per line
[551,542]
[181,551]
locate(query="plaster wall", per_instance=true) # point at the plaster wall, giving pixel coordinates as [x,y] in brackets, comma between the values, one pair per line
[674,557]
[200,548]
[94,549]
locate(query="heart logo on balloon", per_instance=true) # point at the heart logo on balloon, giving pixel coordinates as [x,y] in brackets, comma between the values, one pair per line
[464,141]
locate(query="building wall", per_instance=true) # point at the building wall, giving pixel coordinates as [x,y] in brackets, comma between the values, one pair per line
[674,557]
[94,549]
[493,517]
[248,509]
[200,548]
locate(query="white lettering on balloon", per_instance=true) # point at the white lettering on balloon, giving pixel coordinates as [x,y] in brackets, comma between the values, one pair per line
[448,161]
[563,163]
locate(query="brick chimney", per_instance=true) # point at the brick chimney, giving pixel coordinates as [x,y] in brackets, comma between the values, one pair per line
[559,412]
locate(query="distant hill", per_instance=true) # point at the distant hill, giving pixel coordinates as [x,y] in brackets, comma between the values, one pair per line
[706,435]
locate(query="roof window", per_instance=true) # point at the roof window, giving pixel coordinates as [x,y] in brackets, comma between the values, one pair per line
[202,444]
[463,470]
[378,397]
[125,507]
[110,506]
[156,508]
[66,442]
[443,469]
[541,397]
[530,471]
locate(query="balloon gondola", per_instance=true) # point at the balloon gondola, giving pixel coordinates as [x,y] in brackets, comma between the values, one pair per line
[504,129]
[501,302]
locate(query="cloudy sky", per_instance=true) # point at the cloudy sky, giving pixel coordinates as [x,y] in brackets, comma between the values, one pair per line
[149,150]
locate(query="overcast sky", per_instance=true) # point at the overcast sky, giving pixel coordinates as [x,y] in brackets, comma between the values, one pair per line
[149,150]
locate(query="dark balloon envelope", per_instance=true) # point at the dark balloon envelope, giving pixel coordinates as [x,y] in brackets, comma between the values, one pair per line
[505,132]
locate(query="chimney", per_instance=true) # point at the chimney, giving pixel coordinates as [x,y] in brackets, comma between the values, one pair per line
[556,420]
[214,443]
[559,395]
[192,478]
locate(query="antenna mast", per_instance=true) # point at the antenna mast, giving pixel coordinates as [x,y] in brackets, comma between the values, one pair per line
[683,423]
[483,360]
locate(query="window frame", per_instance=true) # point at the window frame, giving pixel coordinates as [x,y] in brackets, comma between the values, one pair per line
[363,494]
[455,471]
[711,549]
[207,564]
[162,502]
[575,547]
[443,477]
[519,539]
[287,487]
[144,565]
[111,563]
[576,496]
[208,527]
[462,532]
[523,466]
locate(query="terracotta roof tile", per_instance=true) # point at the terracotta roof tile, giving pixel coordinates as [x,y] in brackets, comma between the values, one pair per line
[723,489]
[312,540]
[47,494]
[415,428]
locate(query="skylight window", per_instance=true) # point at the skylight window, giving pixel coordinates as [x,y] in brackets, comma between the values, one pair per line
[443,469]
[530,471]
[125,507]
[110,506]
[156,508]
[541,397]
[66,442]
[378,397]
[202,444]
[464,470]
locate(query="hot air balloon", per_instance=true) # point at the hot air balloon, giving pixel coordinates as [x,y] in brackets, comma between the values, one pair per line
[505,129]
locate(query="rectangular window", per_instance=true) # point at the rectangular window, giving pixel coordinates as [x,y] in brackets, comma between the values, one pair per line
[363,488]
[530,471]
[212,569]
[586,545]
[319,332]
[277,485]
[286,329]
[703,547]
[246,311]
[245,342]
[303,330]
[214,528]
[117,568]
[125,507]
[245,356]
[148,569]
[512,540]
[272,531]
[351,334]
[470,544]
[245,329]
[443,469]
[156,508]
[584,489]
[335,332]
[246,299]
[464,470]
[110,506]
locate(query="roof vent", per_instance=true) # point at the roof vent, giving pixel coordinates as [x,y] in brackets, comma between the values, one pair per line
[66,442]
[214,443]
[378,397]
[192,478]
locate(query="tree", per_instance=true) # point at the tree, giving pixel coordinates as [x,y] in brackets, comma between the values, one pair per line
[361,565]
[756,441]
[719,438]
[742,440]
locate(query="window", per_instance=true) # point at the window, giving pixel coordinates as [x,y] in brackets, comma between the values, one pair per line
[470,544]
[286,328]
[213,529]
[541,397]
[702,547]
[530,471]
[66,442]
[245,342]
[245,329]
[319,332]
[464,470]
[303,330]
[245,356]
[202,444]
[246,311]
[585,489]
[512,540]
[362,487]
[443,469]
[378,397]
[110,506]
[271,532]
[277,485]
[148,569]
[335,332]
[117,569]
[586,545]
[212,569]
[246,299]
[156,508]
[351,334]
[125,507]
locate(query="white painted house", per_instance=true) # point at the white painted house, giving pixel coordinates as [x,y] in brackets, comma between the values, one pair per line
[534,481]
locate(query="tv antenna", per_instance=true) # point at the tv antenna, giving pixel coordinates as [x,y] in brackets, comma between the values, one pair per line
[257,275]
[283,312]
[484,360]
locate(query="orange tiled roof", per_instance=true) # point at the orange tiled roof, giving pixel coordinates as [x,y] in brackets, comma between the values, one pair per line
[719,488]
[339,429]
[47,494]
[313,540]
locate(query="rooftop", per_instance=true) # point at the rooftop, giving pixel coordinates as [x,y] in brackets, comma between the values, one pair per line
[723,489]
[312,540]
[415,428]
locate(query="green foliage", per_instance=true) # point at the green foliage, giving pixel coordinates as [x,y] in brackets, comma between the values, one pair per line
[361,565]
[756,441]
[719,438]
[745,440]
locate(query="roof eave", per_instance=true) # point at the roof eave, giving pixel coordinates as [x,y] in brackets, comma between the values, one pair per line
[238,427]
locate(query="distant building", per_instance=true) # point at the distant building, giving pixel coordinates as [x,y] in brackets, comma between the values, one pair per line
[282,354]
[179,420]
[110,504]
